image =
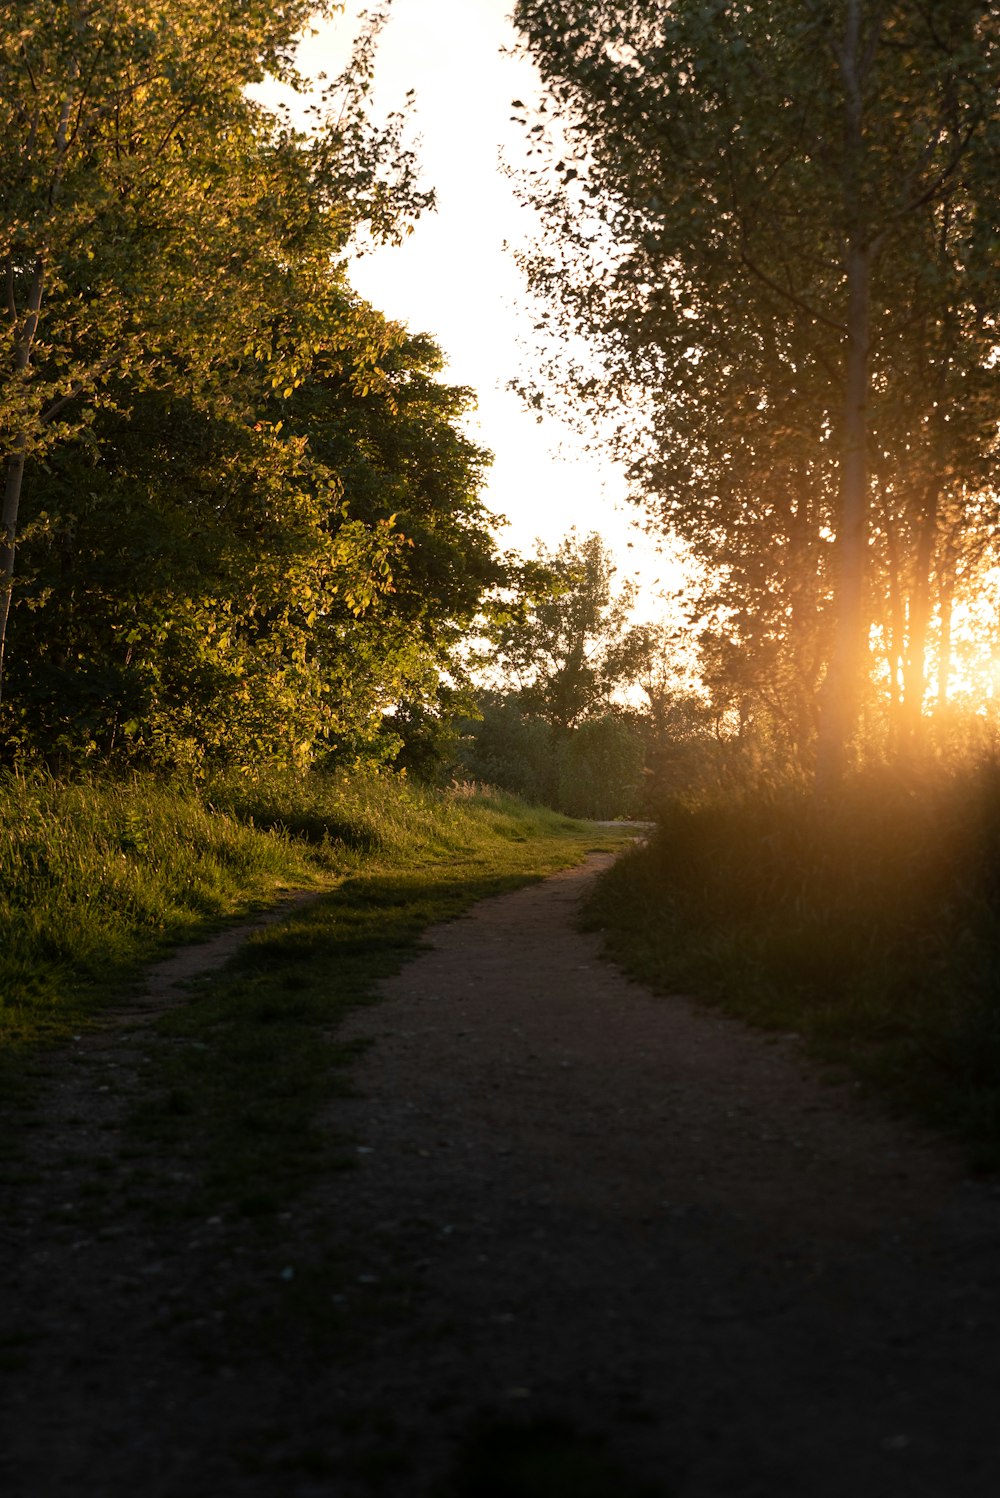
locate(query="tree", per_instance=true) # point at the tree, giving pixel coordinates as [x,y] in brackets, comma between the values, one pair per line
[571,647]
[398,450]
[156,225]
[180,584]
[280,583]
[729,195]
[934,430]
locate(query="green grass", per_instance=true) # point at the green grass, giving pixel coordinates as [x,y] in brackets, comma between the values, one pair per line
[869,926]
[96,877]
[258,1052]
[99,877]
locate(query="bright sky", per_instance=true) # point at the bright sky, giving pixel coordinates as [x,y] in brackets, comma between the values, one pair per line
[453,279]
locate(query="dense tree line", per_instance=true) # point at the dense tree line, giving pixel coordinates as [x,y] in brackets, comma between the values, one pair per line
[199,584]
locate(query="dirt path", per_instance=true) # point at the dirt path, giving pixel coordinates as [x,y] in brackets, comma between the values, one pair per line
[604,1242]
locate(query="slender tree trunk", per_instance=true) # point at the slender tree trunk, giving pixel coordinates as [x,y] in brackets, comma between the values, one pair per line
[24,331]
[895,629]
[8,533]
[945,599]
[802,619]
[842,688]
[15,463]
[915,673]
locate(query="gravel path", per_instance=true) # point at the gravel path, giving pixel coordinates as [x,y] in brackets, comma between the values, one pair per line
[601,1242]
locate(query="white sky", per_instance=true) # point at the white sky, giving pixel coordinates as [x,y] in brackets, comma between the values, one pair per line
[452,278]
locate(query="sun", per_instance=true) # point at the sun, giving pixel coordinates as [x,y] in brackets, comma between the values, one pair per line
[964,658]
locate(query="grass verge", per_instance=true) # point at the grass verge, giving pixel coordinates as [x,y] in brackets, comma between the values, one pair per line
[104,876]
[99,876]
[870,927]
[239,1097]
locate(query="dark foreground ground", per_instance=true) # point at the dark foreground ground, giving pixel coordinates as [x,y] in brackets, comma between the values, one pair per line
[592,1243]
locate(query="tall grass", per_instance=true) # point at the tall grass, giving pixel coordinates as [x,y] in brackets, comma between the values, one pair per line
[869,925]
[381,815]
[96,876]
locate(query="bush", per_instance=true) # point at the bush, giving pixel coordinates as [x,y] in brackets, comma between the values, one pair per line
[594,770]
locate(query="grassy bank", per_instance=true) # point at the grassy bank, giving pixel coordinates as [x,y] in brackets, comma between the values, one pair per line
[98,877]
[870,927]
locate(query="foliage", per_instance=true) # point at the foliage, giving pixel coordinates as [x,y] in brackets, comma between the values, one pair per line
[171,587]
[159,228]
[403,461]
[867,925]
[592,770]
[774,227]
[257,532]
[399,450]
[571,646]
[163,212]
[202,586]
[560,651]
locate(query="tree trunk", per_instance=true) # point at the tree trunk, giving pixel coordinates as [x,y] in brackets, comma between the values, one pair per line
[895,634]
[803,615]
[945,598]
[842,688]
[8,533]
[25,341]
[915,672]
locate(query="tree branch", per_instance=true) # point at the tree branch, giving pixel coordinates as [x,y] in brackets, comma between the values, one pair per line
[790,296]
[874,37]
[29,327]
[11,299]
[30,71]
[77,389]
[934,188]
